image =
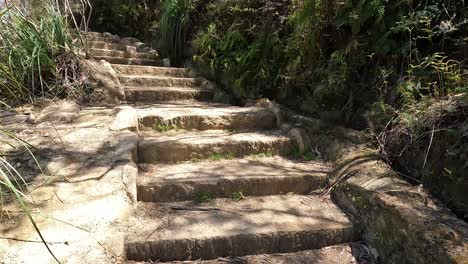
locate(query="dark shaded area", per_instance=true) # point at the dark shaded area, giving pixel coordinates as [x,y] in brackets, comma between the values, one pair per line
[126,18]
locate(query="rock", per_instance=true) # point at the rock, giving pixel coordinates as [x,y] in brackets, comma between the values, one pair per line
[301,138]
[64,111]
[128,41]
[105,80]
[166,62]
[285,127]
[127,118]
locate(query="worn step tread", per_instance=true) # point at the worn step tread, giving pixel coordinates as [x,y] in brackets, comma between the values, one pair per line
[167,94]
[252,176]
[111,46]
[337,254]
[153,70]
[222,227]
[128,61]
[118,53]
[207,117]
[188,145]
[155,81]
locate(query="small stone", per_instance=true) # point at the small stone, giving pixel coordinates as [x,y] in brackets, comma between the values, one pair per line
[285,127]
[126,118]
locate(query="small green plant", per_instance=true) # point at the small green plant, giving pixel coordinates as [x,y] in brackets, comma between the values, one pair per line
[305,156]
[263,154]
[219,156]
[162,128]
[237,196]
[203,197]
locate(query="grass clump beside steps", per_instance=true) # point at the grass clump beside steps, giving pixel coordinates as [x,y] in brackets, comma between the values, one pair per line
[37,58]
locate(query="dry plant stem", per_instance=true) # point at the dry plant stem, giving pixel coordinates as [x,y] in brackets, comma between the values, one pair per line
[429,147]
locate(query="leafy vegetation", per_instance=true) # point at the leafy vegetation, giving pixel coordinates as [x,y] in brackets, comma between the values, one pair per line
[334,59]
[237,196]
[36,55]
[137,18]
[162,128]
[173,26]
[219,156]
[203,197]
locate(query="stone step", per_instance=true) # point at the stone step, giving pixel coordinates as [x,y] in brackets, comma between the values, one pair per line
[167,94]
[192,145]
[101,38]
[252,176]
[206,117]
[111,46]
[89,33]
[128,61]
[222,227]
[158,81]
[155,71]
[337,254]
[122,54]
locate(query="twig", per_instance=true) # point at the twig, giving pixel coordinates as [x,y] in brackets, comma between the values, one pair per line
[339,180]
[33,241]
[428,148]
[202,209]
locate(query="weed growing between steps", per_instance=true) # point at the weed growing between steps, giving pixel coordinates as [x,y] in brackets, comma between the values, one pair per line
[220,156]
[203,197]
[237,196]
[263,155]
[162,128]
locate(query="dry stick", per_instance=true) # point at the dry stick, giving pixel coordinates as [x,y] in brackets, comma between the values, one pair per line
[33,241]
[429,148]
[339,180]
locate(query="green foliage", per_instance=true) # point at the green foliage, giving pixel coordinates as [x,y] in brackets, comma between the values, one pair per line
[36,58]
[174,26]
[322,56]
[220,156]
[304,156]
[237,196]
[162,128]
[263,154]
[239,47]
[203,197]
[136,18]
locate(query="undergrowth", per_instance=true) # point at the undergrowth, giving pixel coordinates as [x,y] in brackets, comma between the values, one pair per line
[37,58]
[334,60]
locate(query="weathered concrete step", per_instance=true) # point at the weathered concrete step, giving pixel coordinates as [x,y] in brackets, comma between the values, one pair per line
[337,254]
[206,117]
[155,71]
[100,38]
[222,227]
[167,94]
[174,147]
[111,46]
[128,61]
[158,81]
[252,176]
[122,54]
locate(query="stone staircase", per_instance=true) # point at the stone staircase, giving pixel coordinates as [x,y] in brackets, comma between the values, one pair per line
[216,181]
